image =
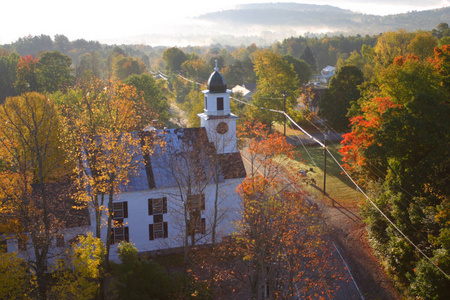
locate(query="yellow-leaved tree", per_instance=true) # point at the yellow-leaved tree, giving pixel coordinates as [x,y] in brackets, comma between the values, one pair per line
[79,276]
[32,162]
[100,121]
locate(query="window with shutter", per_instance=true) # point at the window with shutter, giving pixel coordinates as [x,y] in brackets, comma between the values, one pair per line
[119,232]
[60,241]
[22,243]
[196,225]
[3,246]
[157,207]
[196,202]
[120,210]
[195,206]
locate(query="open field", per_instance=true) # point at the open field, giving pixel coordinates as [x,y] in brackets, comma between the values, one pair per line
[338,187]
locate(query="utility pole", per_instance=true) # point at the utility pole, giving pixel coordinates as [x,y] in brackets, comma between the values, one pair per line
[324,163]
[284,109]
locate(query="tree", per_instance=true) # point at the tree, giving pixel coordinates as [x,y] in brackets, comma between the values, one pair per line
[240,72]
[355,59]
[391,45]
[15,281]
[54,72]
[336,101]
[33,45]
[26,80]
[196,69]
[123,67]
[399,147]
[32,159]
[442,58]
[99,121]
[8,69]
[154,94]
[62,43]
[79,274]
[187,164]
[301,68]
[140,278]
[194,105]
[280,236]
[308,57]
[422,45]
[174,58]
[442,30]
[275,78]
[90,62]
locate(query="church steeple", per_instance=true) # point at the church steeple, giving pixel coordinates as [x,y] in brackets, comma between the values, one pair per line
[217,96]
[217,118]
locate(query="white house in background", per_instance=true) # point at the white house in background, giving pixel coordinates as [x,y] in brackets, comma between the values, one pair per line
[176,185]
[245,90]
[327,73]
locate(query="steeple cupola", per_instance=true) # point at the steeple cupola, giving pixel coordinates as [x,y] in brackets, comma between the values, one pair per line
[217,118]
[216,82]
[217,96]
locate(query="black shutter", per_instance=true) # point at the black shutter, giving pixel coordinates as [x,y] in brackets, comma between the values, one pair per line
[125,209]
[127,236]
[150,232]
[164,205]
[150,207]
[112,236]
[166,232]
[203,201]
[203,221]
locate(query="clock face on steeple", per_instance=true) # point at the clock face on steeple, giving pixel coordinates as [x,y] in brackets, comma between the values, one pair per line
[222,128]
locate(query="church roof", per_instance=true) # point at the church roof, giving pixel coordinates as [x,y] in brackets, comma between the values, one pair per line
[184,150]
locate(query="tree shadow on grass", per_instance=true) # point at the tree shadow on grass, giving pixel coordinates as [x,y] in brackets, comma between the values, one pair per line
[345,211]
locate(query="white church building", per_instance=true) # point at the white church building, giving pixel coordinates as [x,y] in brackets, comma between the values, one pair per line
[186,186]
[180,191]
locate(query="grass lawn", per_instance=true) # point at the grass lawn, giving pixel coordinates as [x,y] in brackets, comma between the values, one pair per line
[338,186]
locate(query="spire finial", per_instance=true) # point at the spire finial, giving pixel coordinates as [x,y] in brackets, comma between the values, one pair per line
[216,68]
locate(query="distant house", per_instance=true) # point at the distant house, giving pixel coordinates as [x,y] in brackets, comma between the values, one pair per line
[246,90]
[327,73]
[325,76]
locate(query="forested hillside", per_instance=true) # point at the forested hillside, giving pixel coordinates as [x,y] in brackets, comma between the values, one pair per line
[324,18]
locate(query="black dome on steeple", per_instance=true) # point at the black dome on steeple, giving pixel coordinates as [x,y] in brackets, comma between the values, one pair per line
[216,82]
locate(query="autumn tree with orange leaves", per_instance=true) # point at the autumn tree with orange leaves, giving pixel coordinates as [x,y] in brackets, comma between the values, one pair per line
[279,249]
[399,149]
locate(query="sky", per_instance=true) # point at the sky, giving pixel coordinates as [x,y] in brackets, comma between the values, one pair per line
[114,21]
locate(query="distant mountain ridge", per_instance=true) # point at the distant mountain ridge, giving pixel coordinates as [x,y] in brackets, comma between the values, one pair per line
[310,16]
